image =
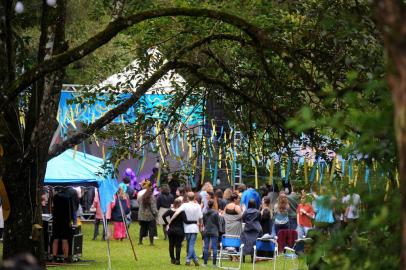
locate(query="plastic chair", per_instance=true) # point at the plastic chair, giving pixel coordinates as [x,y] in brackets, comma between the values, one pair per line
[269,245]
[230,246]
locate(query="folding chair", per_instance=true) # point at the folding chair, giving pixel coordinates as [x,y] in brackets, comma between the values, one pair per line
[294,252]
[269,245]
[230,246]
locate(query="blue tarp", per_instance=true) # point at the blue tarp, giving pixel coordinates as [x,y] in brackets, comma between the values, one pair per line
[70,168]
[149,104]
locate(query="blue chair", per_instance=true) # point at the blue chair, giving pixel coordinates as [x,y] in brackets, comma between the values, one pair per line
[230,245]
[267,245]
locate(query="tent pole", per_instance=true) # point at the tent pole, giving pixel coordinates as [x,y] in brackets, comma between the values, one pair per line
[107,240]
[126,229]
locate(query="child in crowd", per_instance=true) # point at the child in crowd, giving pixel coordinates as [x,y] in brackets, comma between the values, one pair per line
[210,232]
[175,231]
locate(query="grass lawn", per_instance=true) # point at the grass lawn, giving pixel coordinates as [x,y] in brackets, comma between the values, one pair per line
[149,257]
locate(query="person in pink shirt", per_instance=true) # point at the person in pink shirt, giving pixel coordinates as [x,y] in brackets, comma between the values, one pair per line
[99,216]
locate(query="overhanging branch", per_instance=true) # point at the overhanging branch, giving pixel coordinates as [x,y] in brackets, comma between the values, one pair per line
[15,87]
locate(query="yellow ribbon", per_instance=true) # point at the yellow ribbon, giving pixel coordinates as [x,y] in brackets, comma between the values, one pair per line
[271,166]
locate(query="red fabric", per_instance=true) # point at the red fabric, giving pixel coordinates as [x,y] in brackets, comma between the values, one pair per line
[119,230]
[286,238]
[304,220]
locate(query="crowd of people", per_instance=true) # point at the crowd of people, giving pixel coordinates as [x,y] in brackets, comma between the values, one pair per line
[210,213]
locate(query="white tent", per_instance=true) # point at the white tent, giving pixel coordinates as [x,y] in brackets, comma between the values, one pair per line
[132,76]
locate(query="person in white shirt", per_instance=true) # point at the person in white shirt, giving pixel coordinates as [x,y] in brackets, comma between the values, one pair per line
[194,217]
[352,203]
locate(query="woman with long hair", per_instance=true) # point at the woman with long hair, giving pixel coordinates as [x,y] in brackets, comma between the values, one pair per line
[164,201]
[176,232]
[266,215]
[204,193]
[281,217]
[147,213]
[121,208]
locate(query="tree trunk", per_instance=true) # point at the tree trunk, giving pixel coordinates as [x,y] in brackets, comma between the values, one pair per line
[398,87]
[391,19]
[26,156]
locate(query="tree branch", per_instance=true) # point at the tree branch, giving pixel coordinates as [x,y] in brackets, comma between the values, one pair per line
[17,86]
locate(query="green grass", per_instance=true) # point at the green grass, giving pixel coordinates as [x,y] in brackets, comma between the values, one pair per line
[149,257]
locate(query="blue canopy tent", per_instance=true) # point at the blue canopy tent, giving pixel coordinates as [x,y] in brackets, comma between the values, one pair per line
[74,168]
[79,169]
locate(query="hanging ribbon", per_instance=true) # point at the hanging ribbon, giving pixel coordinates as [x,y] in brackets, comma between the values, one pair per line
[321,171]
[306,177]
[333,164]
[343,168]
[103,152]
[288,170]
[203,170]
[313,172]
[214,178]
[271,166]
[350,170]
[256,178]
[366,178]
[158,178]
[356,169]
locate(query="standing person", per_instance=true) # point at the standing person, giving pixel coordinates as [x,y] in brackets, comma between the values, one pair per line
[281,217]
[352,203]
[99,217]
[211,222]
[204,193]
[132,196]
[194,217]
[147,213]
[266,216]
[252,229]
[120,208]
[63,214]
[176,233]
[323,206]
[164,201]
[305,215]
[250,194]
[293,199]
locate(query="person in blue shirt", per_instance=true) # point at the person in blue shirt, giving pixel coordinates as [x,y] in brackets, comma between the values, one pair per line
[250,194]
[323,207]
